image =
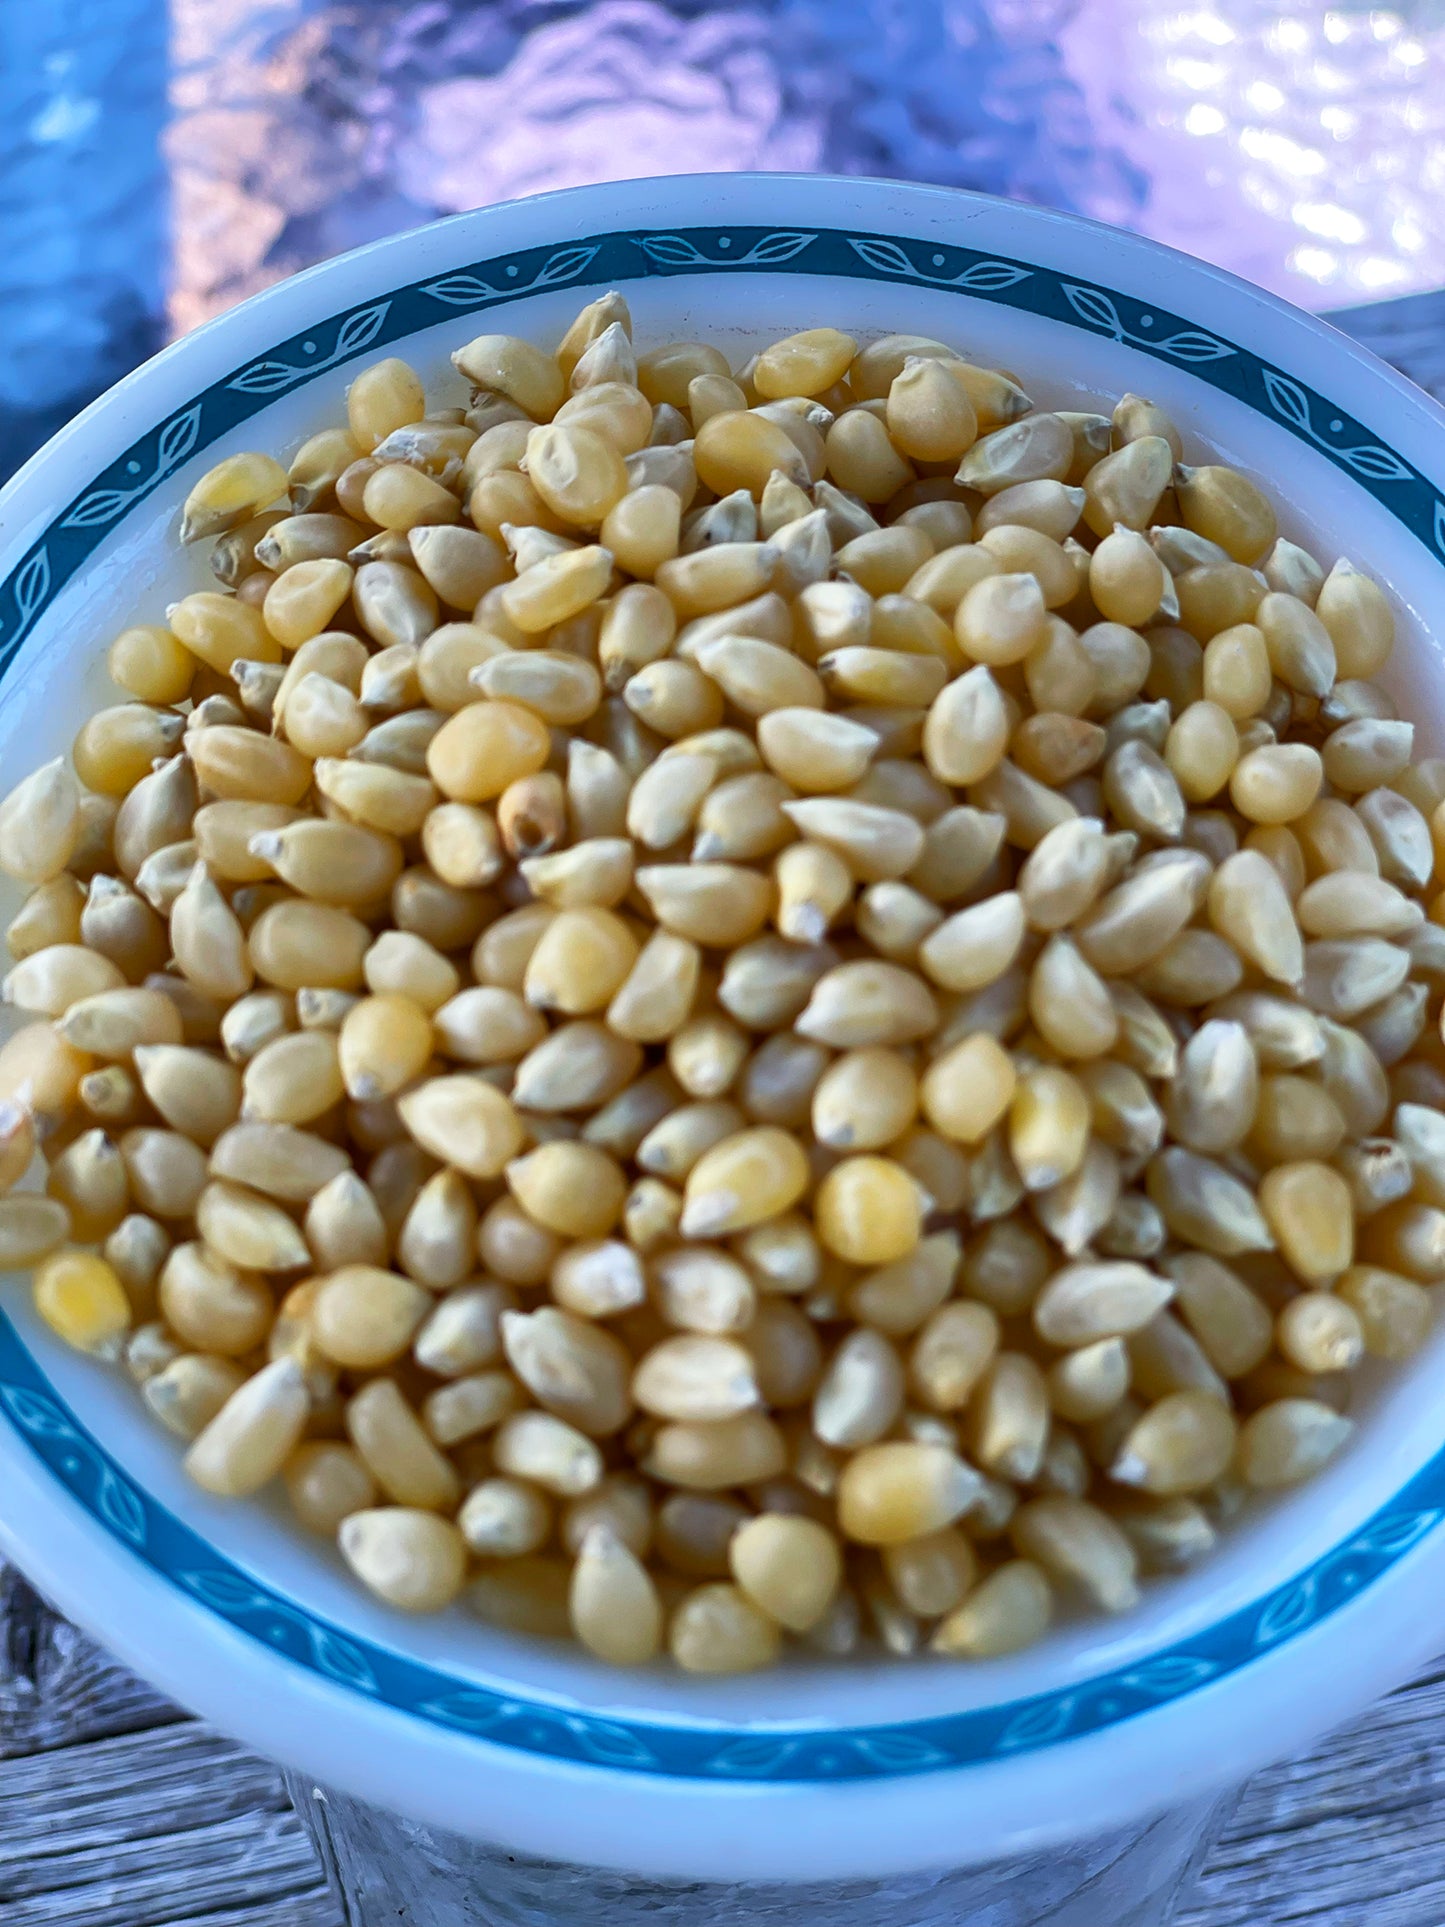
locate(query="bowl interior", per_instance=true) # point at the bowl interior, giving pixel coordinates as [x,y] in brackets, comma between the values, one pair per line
[135,569]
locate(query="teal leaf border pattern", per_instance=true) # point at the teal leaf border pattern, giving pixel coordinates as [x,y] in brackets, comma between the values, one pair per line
[174,443]
[30,589]
[1375,464]
[613,259]
[239,1599]
[354,335]
[1096,309]
[107,1493]
[772,250]
[979,277]
[56,1436]
[761,1754]
[1389,1536]
[467,290]
[543,1729]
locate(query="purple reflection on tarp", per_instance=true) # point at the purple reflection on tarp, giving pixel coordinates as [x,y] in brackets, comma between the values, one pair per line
[82,205]
[409,110]
[1302,146]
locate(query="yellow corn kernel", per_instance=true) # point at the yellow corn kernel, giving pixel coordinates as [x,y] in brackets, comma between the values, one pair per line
[789,1567]
[899,1490]
[399,496]
[326,1483]
[1288,1440]
[365,1318]
[750,1177]
[1226,507]
[1310,1211]
[254,1433]
[298,945]
[83,1301]
[40,825]
[1007,1611]
[737,449]
[1357,614]
[406,1556]
[231,493]
[869,1211]
[481,750]
[930,417]
[572,1189]
[463,1121]
[718,1629]
[613,1603]
[384,397]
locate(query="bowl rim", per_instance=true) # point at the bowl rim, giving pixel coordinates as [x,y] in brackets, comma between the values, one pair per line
[742,235]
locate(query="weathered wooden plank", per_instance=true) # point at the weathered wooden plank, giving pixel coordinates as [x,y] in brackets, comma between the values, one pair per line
[110,1793]
[312,1909]
[259,1870]
[1312,1877]
[1393,1758]
[390,1869]
[1351,1833]
[177,1827]
[1410,333]
[117,1810]
[56,1687]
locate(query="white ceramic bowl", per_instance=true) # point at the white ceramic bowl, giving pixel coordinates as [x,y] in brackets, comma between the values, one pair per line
[1311,1607]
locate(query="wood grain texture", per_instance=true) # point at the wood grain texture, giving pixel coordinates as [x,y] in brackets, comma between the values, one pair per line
[116,1810]
[390,1869]
[1410,333]
[1350,1835]
[56,1689]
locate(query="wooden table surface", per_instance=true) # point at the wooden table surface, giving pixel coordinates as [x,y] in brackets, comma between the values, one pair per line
[118,1810]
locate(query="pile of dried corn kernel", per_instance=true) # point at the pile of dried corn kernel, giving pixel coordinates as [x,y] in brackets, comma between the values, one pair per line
[709,1006]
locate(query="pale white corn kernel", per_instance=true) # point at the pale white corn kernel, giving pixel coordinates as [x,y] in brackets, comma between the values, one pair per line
[615,1609]
[549,1452]
[1081,1547]
[254,1433]
[1008,1610]
[397,1450]
[410,1558]
[718,1629]
[789,1567]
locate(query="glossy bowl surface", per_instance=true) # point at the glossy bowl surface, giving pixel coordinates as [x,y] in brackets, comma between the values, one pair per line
[1313,1604]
